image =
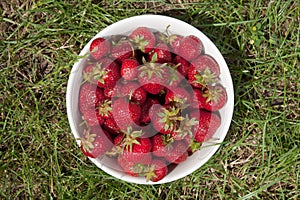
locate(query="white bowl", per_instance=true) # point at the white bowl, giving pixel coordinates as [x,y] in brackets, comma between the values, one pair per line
[160,23]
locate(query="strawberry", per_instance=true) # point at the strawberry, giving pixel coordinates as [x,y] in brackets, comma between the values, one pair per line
[93,118]
[156,171]
[136,151]
[208,124]
[160,54]
[153,77]
[179,152]
[198,100]
[110,125]
[166,119]
[174,42]
[95,142]
[178,96]
[144,39]
[89,96]
[129,69]
[125,113]
[198,42]
[212,98]
[190,47]
[105,73]
[145,118]
[203,71]
[161,145]
[132,81]
[133,163]
[183,65]
[100,47]
[122,50]
[135,92]
[110,92]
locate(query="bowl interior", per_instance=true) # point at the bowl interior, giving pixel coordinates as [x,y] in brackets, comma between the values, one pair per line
[159,23]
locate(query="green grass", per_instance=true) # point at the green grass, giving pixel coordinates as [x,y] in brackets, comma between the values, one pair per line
[39,157]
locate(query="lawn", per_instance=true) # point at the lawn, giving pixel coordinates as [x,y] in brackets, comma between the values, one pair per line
[39,42]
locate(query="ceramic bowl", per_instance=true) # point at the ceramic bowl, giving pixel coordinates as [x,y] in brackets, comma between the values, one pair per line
[160,23]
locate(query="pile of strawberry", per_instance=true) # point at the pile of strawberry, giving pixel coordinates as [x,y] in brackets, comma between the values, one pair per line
[149,99]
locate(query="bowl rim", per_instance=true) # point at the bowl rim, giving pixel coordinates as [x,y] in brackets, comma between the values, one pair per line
[229,104]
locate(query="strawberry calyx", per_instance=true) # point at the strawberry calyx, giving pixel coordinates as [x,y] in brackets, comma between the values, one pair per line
[212,94]
[167,141]
[179,102]
[105,108]
[139,169]
[195,146]
[186,127]
[141,42]
[152,68]
[97,74]
[170,117]
[174,77]
[162,37]
[149,172]
[130,138]
[87,141]
[205,78]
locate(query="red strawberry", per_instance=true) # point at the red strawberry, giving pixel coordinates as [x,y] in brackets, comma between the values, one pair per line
[160,54]
[125,113]
[198,100]
[100,47]
[174,42]
[190,48]
[198,42]
[129,69]
[183,65]
[105,73]
[136,151]
[93,118]
[135,92]
[178,96]
[208,124]
[153,77]
[144,38]
[156,171]
[95,142]
[111,125]
[145,118]
[133,163]
[89,96]
[166,119]
[161,145]
[110,92]
[212,98]
[179,152]
[203,71]
[122,50]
